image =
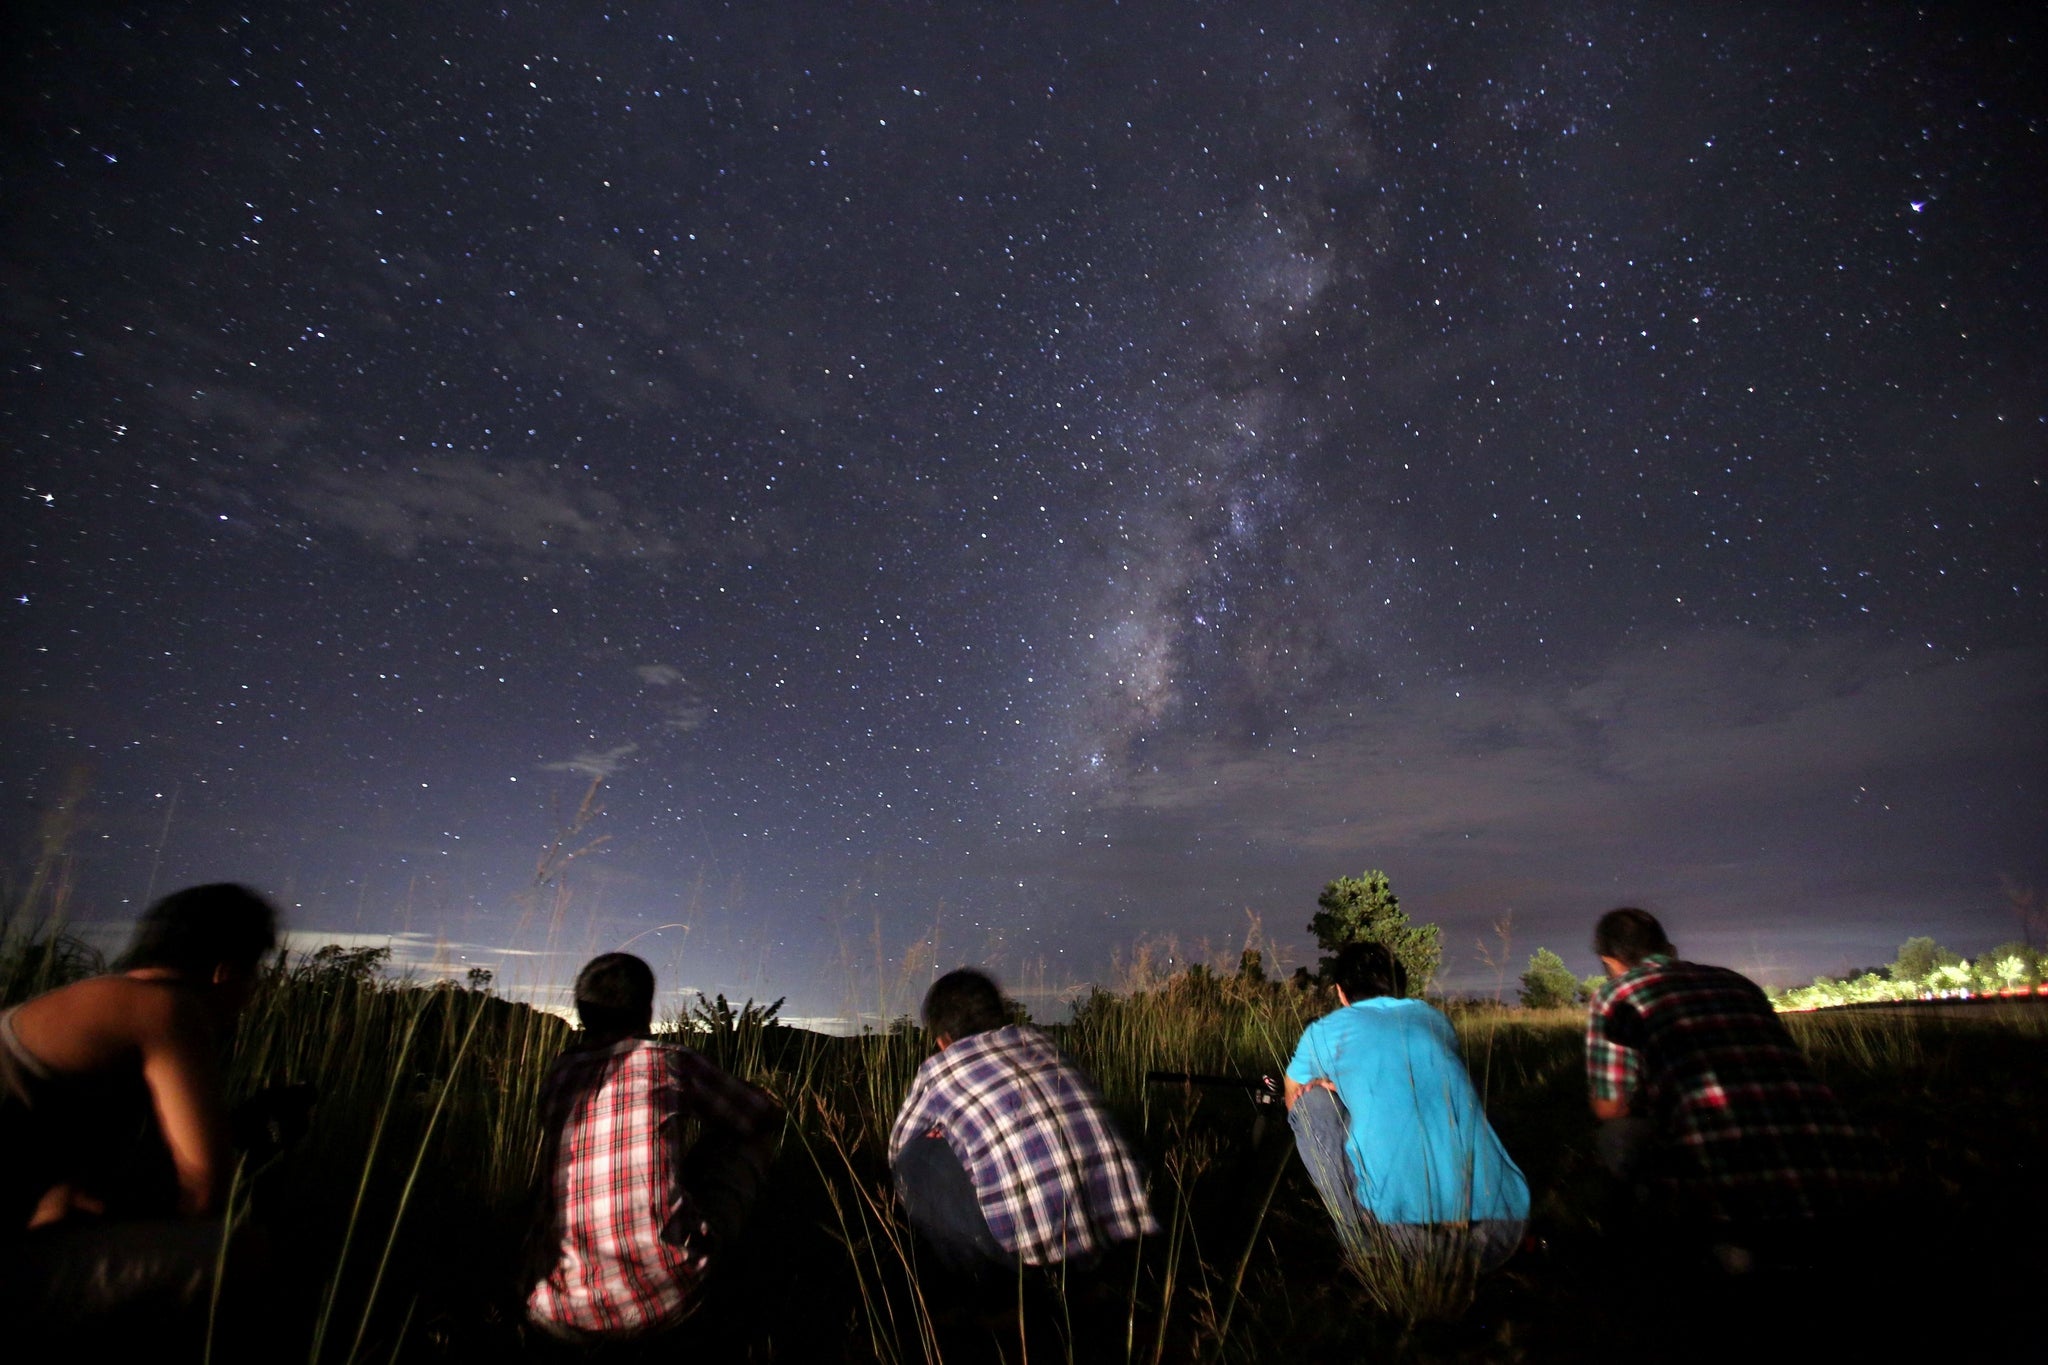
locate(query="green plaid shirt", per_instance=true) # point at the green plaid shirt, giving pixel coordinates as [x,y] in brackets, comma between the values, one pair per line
[1747,1125]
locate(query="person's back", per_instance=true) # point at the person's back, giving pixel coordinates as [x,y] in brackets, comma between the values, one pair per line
[82,1133]
[1002,1150]
[114,1148]
[1394,1135]
[1419,1138]
[1747,1127]
[633,1218]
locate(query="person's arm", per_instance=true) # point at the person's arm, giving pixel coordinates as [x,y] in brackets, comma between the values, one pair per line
[1292,1090]
[910,1117]
[1305,1070]
[1611,1069]
[177,1046]
[743,1110]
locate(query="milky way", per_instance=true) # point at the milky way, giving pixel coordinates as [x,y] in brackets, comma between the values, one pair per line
[988,482]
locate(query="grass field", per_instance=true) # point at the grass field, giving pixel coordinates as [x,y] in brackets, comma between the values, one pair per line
[392,1230]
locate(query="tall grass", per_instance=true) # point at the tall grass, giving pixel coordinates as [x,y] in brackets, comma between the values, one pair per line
[401,1212]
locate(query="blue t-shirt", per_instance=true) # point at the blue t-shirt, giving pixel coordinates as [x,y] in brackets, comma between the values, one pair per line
[1420,1144]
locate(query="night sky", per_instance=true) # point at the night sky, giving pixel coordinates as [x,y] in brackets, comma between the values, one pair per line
[1039,478]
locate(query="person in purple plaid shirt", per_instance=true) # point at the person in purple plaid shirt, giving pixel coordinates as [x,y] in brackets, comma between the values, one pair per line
[633,1222]
[1002,1152]
[1703,1093]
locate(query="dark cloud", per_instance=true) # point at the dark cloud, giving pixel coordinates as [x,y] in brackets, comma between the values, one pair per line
[523,511]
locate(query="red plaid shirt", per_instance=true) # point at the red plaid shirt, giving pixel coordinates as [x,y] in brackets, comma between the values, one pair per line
[614,1122]
[1747,1124]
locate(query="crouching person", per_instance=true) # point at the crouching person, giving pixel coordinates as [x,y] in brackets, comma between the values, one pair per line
[1002,1153]
[1710,1114]
[115,1156]
[632,1222]
[1391,1130]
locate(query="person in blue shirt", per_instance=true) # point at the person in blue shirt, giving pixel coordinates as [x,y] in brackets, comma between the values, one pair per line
[1391,1130]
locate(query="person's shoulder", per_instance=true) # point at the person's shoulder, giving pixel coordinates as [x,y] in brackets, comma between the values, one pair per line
[1725,982]
[1383,1010]
[988,1057]
[1646,979]
[587,1056]
[1008,1038]
[1677,970]
[141,1005]
[89,1023]
[1323,1023]
[1651,971]
[1414,1018]
[1344,1022]
[680,1057]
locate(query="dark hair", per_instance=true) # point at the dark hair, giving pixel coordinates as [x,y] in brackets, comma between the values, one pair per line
[203,928]
[615,994]
[1365,970]
[1629,935]
[962,1003]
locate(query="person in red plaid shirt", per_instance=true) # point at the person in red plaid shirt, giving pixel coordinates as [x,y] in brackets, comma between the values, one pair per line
[1002,1152]
[1702,1092]
[634,1222]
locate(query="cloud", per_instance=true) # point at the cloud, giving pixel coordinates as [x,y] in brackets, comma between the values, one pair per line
[682,712]
[593,764]
[408,950]
[1717,716]
[518,509]
[1753,788]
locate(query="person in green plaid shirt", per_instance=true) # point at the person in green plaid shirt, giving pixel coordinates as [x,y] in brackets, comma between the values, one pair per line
[1702,1092]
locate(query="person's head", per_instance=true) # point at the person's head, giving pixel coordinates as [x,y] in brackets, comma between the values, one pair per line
[1627,936]
[963,1003]
[212,935]
[615,995]
[1364,971]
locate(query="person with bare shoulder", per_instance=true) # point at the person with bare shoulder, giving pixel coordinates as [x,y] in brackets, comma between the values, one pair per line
[114,1138]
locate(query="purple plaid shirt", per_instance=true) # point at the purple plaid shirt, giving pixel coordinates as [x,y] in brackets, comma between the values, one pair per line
[615,1119]
[1053,1177]
[1747,1124]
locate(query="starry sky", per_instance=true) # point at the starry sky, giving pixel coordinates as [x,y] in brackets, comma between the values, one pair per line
[1013,483]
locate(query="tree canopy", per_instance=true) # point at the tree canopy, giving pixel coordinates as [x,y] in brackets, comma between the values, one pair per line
[1919,957]
[1364,909]
[1548,984]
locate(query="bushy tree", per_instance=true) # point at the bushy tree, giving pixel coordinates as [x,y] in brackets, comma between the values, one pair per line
[1548,984]
[332,967]
[1950,977]
[1918,959]
[2012,966]
[1364,909]
[718,1015]
[1590,986]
